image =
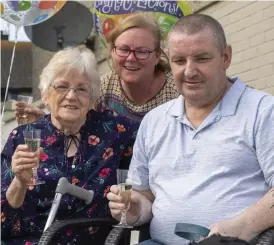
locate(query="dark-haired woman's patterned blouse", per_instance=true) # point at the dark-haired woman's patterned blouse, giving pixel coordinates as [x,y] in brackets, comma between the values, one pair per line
[113,98]
[106,144]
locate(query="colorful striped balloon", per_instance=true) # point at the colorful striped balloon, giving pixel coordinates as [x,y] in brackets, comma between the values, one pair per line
[28,12]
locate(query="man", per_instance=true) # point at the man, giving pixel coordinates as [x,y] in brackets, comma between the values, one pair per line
[206,157]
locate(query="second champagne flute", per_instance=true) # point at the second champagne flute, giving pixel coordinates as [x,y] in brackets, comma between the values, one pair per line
[125,192]
[22,117]
[33,139]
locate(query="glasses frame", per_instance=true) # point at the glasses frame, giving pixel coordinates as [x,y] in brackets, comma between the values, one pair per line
[69,88]
[133,51]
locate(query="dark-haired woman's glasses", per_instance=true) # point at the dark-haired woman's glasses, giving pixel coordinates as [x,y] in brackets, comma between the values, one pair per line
[139,54]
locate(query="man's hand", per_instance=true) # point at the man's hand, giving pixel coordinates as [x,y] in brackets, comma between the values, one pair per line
[235,227]
[116,206]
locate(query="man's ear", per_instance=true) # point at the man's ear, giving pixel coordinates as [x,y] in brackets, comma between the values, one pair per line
[227,55]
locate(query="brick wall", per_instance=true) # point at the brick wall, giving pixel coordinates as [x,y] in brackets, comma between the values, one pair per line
[249,27]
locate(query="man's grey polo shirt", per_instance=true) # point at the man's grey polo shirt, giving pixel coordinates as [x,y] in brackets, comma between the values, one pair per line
[210,174]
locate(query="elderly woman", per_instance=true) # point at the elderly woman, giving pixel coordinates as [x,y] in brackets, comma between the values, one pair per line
[80,144]
[140,79]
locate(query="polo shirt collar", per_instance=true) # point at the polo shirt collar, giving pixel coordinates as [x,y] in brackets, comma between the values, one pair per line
[230,102]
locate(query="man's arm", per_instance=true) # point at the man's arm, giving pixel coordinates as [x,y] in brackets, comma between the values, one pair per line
[251,222]
[273,198]
[148,194]
[140,210]
[260,216]
[145,214]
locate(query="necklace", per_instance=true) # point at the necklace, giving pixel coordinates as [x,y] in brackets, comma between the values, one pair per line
[68,143]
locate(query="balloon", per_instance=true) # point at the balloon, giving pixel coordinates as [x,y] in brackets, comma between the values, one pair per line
[108,13]
[46,4]
[29,12]
[1,8]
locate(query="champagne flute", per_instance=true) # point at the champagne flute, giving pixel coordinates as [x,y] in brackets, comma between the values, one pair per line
[125,192]
[33,139]
[22,117]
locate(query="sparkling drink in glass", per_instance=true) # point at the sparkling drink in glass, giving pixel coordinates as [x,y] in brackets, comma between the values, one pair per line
[125,190]
[22,117]
[33,139]
[125,193]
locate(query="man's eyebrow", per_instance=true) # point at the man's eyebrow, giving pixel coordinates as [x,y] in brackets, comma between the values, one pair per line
[176,56]
[203,54]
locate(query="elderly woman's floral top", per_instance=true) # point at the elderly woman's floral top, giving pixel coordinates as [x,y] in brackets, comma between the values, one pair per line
[106,144]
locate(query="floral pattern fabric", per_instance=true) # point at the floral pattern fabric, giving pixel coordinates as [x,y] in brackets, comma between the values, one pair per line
[106,144]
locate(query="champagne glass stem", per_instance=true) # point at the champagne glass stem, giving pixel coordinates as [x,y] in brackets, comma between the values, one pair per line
[34,173]
[123,220]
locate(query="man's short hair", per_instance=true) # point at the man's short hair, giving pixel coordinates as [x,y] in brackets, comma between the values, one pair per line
[194,23]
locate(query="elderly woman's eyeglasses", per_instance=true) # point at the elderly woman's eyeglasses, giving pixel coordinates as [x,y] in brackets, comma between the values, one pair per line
[139,54]
[64,89]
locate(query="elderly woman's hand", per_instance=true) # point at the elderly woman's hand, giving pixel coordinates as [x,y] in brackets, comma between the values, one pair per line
[33,113]
[23,161]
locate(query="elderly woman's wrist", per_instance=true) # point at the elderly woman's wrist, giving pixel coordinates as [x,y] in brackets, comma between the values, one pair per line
[19,183]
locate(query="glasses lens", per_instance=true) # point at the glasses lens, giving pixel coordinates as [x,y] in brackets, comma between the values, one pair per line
[61,88]
[142,55]
[82,91]
[123,52]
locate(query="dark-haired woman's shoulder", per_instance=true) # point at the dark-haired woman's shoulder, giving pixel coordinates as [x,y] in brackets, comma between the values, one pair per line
[169,91]
[109,79]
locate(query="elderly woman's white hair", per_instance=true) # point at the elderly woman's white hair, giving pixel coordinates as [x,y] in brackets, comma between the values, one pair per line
[79,58]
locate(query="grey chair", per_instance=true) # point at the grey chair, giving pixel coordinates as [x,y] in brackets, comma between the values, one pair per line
[121,236]
[60,225]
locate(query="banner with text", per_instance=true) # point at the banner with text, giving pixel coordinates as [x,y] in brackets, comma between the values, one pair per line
[108,13]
